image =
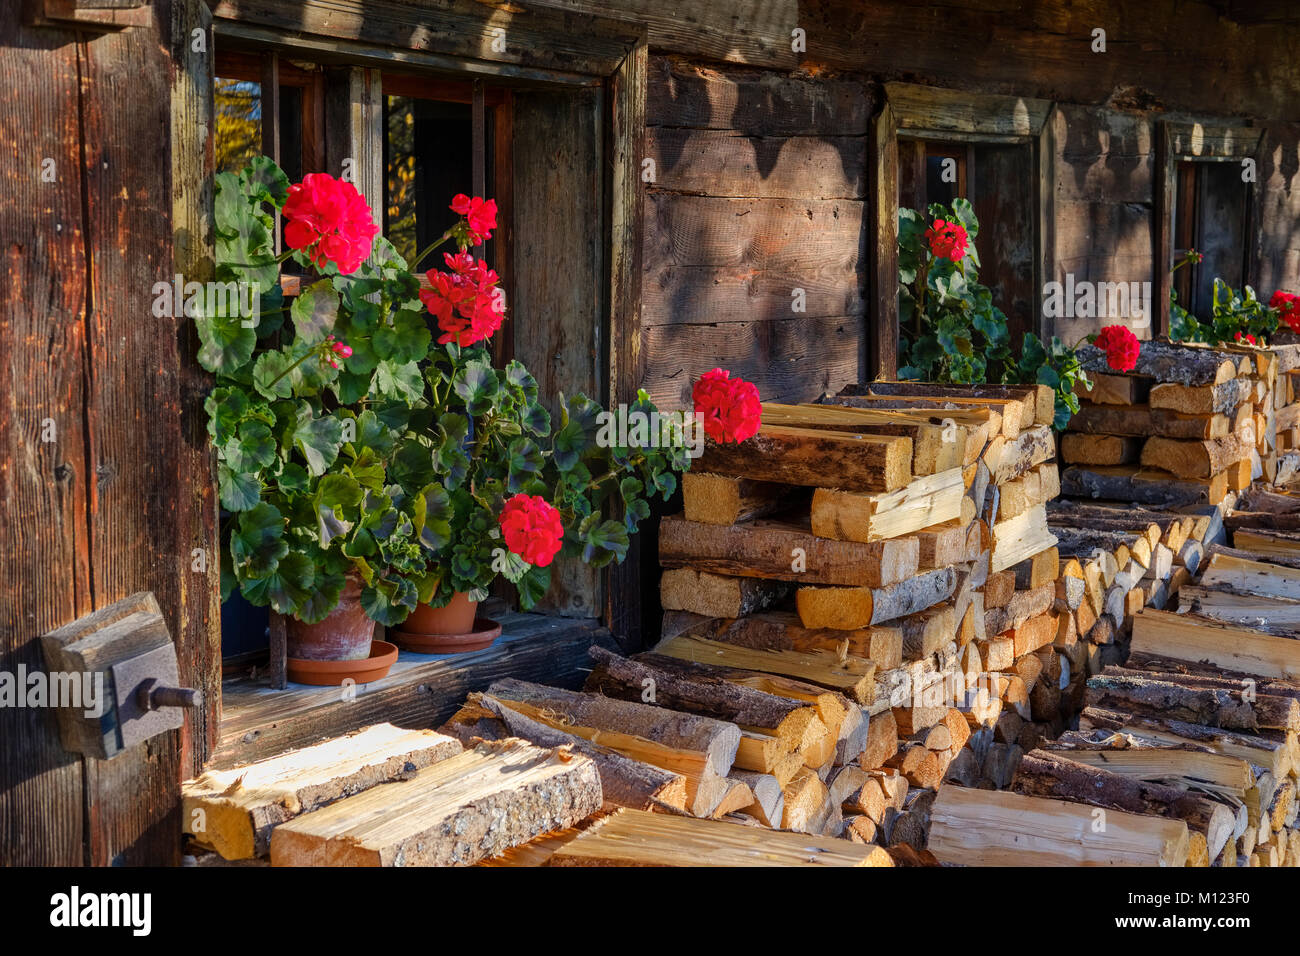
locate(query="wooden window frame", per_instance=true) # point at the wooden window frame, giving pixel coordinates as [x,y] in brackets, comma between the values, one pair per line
[608,56]
[913,112]
[1180,141]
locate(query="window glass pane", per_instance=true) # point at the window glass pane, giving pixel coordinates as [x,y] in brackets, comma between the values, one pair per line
[238,108]
[428,158]
[936,188]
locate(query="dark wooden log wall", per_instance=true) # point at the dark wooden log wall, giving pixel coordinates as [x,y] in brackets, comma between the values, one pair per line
[122,495]
[1104,170]
[759,189]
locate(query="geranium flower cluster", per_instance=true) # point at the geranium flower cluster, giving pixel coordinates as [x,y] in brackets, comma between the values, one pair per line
[330,221]
[730,406]
[1288,308]
[532,529]
[948,240]
[1120,345]
[466,302]
[480,217]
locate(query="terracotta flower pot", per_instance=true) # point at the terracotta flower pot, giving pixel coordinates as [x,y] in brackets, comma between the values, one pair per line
[344,635]
[456,618]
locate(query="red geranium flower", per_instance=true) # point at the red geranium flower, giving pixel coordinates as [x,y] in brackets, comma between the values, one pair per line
[532,529]
[480,215]
[1288,306]
[465,301]
[947,240]
[1245,337]
[330,220]
[730,406]
[1120,345]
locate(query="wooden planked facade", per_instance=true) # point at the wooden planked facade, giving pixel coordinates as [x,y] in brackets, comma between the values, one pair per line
[678,175]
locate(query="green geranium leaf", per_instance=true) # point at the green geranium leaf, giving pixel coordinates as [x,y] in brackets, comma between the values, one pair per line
[287,588]
[476,384]
[319,439]
[336,501]
[238,491]
[225,344]
[524,461]
[270,374]
[263,181]
[257,544]
[432,510]
[253,450]
[315,312]
[226,408]
[399,380]
[406,340]
[389,600]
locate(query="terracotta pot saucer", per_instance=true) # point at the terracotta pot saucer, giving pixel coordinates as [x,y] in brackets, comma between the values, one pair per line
[332,673]
[484,633]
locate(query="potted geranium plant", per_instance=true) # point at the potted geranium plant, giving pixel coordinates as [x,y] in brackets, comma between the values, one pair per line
[518,492]
[307,405]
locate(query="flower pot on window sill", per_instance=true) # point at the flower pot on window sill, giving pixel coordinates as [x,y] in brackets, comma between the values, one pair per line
[446,630]
[339,647]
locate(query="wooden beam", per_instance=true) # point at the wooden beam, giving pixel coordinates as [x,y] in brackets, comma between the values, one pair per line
[883,153]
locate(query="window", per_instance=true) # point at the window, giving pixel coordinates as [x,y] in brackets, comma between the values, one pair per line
[425,152]
[935,146]
[1205,200]
[1211,214]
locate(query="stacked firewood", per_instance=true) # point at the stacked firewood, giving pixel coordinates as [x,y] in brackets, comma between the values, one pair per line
[919,587]
[1190,748]
[1186,426]
[1282,428]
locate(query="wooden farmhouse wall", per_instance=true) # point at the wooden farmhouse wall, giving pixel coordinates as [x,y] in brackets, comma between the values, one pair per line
[107,484]
[754,252]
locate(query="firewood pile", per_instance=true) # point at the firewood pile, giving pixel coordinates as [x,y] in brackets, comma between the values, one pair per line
[889,545]
[1188,425]
[1189,749]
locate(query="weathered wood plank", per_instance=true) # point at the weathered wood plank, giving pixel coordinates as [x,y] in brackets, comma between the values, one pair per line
[45,484]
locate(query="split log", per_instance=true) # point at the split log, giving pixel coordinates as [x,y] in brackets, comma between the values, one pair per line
[625,780]
[1029,449]
[1021,537]
[1169,362]
[697,689]
[1202,399]
[781,551]
[851,676]
[716,739]
[716,595]
[1047,774]
[992,828]
[1194,459]
[925,502]
[1010,413]
[1211,707]
[853,608]
[783,631]
[454,812]
[768,804]
[720,499]
[1108,389]
[1146,486]
[805,456]
[1078,448]
[234,811]
[1271,755]
[1142,421]
[636,838]
[1191,638]
[935,446]
[1039,398]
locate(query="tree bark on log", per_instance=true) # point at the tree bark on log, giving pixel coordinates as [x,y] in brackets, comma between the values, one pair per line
[717,739]
[1210,707]
[696,689]
[1046,774]
[1166,362]
[625,782]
